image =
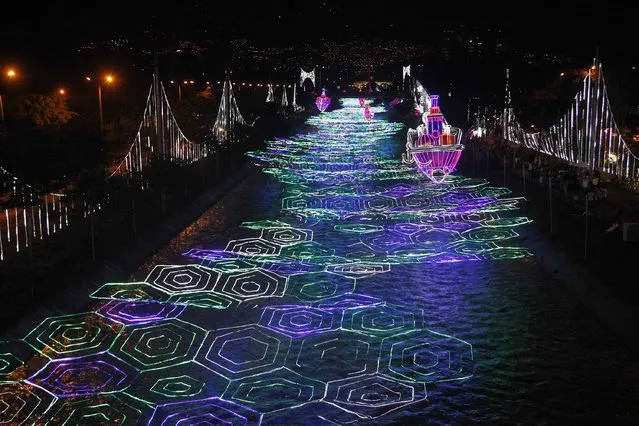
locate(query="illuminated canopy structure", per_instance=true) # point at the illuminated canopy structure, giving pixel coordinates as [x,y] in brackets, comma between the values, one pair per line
[405,73]
[323,101]
[434,145]
[421,98]
[304,75]
[229,117]
[270,97]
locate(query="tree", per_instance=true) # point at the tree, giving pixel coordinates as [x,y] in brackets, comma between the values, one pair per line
[43,110]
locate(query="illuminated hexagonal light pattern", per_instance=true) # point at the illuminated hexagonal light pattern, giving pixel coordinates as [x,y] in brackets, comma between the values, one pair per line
[161,344]
[180,279]
[251,284]
[23,403]
[372,396]
[286,236]
[177,382]
[138,312]
[145,353]
[426,356]
[300,321]
[102,409]
[208,411]
[88,375]
[13,355]
[334,355]
[129,291]
[318,285]
[72,335]
[275,390]
[243,351]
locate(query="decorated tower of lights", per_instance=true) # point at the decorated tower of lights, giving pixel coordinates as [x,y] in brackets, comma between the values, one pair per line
[435,118]
[437,150]
[322,102]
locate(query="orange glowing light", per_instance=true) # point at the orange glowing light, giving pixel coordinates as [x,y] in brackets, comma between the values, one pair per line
[109,78]
[62,91]
[11,73]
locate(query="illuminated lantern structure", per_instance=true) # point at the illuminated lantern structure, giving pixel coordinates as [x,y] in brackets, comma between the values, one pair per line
[368,114]
[322,101]
[434,145]
[362,102]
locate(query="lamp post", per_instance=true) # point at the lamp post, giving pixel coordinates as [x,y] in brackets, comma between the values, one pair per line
[108,79]
[10,74]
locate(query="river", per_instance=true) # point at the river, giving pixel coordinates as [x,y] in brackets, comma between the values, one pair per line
[335,285]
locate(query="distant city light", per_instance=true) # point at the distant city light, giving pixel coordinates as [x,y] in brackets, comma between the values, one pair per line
[11,73]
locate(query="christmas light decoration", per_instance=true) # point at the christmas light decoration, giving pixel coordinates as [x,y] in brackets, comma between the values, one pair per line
[284,98]
[270,97]
[322,102]
[362,102]
[307,75]
[434,146]
[229,119]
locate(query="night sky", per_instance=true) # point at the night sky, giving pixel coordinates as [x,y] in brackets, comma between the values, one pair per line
[59,26]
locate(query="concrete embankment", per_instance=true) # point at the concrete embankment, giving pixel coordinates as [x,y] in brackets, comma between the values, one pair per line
[74,297]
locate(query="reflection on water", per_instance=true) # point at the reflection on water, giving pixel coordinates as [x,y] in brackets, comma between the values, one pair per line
[340,287]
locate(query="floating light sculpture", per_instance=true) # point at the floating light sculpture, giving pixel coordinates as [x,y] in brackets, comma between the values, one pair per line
[323,101]
[434,145]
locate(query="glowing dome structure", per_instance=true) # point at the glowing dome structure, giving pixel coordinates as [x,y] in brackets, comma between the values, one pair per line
[323,101]
[368,113]
[434,145]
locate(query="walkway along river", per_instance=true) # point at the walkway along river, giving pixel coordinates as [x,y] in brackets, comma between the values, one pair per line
[338,286]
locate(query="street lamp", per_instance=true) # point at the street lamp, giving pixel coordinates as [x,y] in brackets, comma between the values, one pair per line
[10,74]
[185,82]
[108,79]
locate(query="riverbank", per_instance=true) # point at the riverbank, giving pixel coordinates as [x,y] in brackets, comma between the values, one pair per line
[598,275]
[73,297]
[56,288]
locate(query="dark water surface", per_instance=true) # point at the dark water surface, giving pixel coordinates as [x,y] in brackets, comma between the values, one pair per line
[333,286]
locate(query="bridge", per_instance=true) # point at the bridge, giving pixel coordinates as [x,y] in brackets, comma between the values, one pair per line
[587,134]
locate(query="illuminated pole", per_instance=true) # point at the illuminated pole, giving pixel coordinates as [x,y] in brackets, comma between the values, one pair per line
[107,79]
[10,73]
[100,107]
